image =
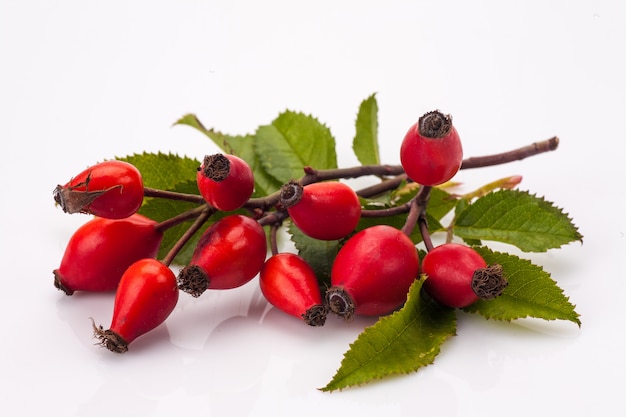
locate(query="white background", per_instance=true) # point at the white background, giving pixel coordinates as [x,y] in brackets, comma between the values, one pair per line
[81,81]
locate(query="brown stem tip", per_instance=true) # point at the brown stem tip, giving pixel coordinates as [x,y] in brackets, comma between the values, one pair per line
[315,316]
[216,167]
[193,280]
[58,283]
[489,282]
[291,193]
[340,303]
[435,124]
[109,339]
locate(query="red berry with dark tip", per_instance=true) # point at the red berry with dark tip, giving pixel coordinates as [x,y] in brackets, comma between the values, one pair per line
[431,152]
[111,189]
[228,255]
[457,276]
[100,250]
[289,283]
[325,210]
[372,272]
[225,181]
[146,296]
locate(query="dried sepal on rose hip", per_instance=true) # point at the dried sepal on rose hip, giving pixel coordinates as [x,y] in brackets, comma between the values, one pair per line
[372,273]
[431,152]
[325,210]
[146,296]
[100,250]
[225,181]
[229,254]
[289,283]
[111,189]
[457,276]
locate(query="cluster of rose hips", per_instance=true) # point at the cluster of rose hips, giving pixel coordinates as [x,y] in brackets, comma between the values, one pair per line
[371,274]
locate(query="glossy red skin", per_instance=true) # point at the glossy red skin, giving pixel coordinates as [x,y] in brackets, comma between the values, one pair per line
[289,283]
[231,251]
[232,192]
[100,250]
[431,161]
[146,296]
[376,267]
[125,185]
[449,269]
[326,211]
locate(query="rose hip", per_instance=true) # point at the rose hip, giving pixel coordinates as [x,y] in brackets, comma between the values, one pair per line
[146,296]
[289,283]
[111,189]
[225,181]
[100,250]
[372,272]
[228,255]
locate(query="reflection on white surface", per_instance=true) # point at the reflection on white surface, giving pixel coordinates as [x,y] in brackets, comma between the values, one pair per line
[231,350]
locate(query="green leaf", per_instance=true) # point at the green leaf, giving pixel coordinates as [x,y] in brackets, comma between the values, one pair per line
[365,143]
[530,293]
[241,146]
[518,218]
[164,171]
[400,343]
[292,142]
[320,254]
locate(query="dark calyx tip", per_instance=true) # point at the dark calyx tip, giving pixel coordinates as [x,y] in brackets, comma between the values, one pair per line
[109,339]
[216,167]
[340,302]
[291,193]
[315,316]
[489,282]
[435,124]
[193,280]
[58,283]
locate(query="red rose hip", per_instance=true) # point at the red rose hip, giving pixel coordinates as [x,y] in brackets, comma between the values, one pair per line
[325,210]
[111,189]
[431,151]
[146,296]
[289,283]
[457,276]
[372,273]
[225,181]
[100,250]
[228,255]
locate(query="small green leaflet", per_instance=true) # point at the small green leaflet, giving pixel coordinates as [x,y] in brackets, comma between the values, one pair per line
[530,293]
[518,218]
[400,343]
[365,143]
[164,171]
[292,142]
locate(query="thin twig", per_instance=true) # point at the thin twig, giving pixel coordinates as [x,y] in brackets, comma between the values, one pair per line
[510,156]
[183,217]
[197,224]
[172,195]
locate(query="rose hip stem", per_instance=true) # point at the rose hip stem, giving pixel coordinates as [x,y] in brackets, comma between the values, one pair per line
[172,195]
[417,214]
[511,156]
[203,216]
